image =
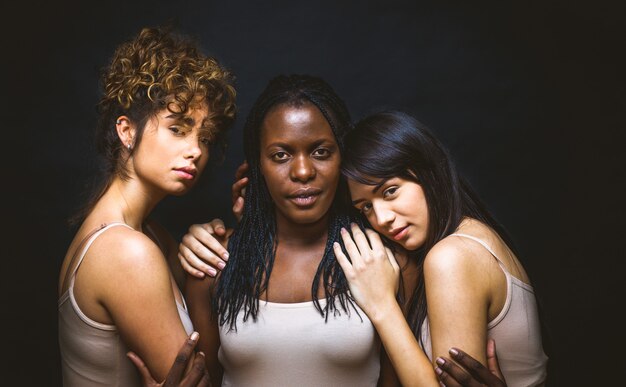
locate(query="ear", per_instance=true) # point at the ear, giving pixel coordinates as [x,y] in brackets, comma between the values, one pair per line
[125,131]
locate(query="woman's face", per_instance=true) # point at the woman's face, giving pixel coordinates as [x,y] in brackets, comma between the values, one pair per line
[174,150]
[397,210]
[299,159]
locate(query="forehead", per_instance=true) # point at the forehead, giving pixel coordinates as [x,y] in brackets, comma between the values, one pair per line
[286,123]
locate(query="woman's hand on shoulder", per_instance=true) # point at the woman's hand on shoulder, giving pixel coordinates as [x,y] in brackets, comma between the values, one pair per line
[203,249]
[372,271]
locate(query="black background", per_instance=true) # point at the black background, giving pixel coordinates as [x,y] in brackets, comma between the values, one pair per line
[528,96]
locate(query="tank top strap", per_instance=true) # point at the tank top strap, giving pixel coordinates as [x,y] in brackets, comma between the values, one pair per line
[85,244]
[486,246]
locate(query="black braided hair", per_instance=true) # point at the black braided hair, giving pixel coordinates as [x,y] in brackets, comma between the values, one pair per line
[252,247]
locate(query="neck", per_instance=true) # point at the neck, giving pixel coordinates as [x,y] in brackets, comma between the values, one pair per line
[128,201]
[304,235]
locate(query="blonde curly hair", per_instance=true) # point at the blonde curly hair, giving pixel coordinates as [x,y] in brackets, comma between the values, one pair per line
[157,69]
[160,69]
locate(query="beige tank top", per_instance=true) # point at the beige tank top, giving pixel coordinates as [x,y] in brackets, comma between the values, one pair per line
[93,354]
[293,345]
[516,330]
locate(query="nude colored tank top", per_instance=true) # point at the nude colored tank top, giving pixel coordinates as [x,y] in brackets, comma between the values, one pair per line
[516,330]
[293,345]
[93,354]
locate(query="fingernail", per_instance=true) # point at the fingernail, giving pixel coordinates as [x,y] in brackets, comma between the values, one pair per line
[335,244]
[212,272]
[200,274]
[440,361]
[343,230]
[454,351]
[438,371]
[200,353]
[221,265]
[225,256]
[194,336]
[441,384]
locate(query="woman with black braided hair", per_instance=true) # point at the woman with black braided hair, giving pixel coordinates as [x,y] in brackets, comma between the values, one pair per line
[280,312]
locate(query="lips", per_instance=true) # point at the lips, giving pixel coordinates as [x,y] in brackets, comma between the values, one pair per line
[399,233]
[304,197]
[187,173]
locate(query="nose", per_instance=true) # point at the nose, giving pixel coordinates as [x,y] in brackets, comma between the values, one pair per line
[383,214]
[193,149]
[302,169]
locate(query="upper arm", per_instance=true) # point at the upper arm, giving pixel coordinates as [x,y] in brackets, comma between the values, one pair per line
[137,293]
[457,292]
[198,293]
[170,247]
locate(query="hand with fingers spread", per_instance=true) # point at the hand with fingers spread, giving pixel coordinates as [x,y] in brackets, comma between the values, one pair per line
[238,190]
[451,375]
[203,249]
[372,272]
[197,376]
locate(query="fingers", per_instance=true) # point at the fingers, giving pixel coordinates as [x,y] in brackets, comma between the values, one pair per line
[351,248]
[238,208]
[217,225]
[146,377]
[242,170]
[201,249]
[197,374]
[492,359]
[361,241]
[238,189]
[477,371]
[180,363]
[451,375]
[345,264]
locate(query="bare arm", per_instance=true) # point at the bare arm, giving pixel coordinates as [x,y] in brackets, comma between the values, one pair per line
[132,282]
[198,293]
[372,276]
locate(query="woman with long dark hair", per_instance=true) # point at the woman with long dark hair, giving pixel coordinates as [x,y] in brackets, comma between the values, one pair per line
[471,287]
[280,312]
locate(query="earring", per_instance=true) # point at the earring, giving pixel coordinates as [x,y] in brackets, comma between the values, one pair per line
[128,146]
[118,122]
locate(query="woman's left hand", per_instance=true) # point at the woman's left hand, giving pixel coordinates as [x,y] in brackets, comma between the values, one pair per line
[372,272]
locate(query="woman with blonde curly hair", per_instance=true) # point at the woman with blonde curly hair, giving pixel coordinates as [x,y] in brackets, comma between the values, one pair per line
[164,104]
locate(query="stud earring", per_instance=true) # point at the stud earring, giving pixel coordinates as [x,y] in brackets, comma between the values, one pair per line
[128,146]
[118,122]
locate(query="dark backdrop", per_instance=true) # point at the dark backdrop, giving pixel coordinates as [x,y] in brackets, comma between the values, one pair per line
[528,96]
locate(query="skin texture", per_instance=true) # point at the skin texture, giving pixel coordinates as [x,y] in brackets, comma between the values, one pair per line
[124,278]
[465,287]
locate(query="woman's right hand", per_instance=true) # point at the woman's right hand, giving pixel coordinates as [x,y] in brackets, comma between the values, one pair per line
[203,249]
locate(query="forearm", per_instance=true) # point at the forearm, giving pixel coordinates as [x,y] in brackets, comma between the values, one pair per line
[409,361]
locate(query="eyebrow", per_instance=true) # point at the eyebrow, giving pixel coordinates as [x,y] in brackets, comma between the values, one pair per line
[189,121]
[376,188]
